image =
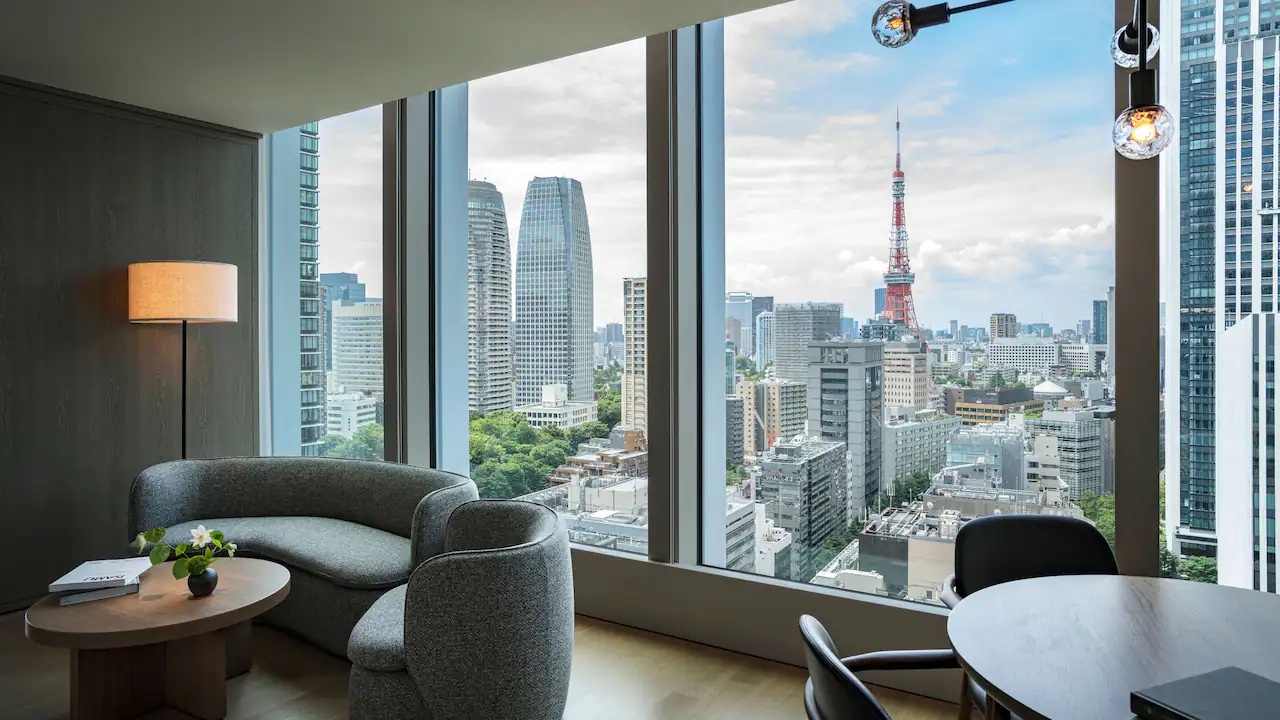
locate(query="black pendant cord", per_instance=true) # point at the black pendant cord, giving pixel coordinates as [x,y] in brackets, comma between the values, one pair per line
[978,5]
[184,389]
[1142,35]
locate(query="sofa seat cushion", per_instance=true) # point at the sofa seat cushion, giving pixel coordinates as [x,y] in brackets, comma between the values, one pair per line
[377,642]
[343,553]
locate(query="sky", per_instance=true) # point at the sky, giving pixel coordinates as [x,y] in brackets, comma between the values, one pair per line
[1006,148]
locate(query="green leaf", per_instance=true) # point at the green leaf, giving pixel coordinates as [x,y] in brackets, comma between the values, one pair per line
[159,554]
[208,552]
[180,568]
[217,543]
[180,549]
[217,535]
[230,552]
[154,535]
[141,542]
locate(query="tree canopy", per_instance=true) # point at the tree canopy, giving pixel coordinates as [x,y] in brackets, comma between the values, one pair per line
[368,443]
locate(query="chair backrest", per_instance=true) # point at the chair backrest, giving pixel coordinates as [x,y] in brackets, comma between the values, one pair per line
[489,622]
[833,691]
[1003,548]
[376,494]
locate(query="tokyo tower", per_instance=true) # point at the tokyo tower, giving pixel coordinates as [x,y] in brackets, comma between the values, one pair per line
[899,307]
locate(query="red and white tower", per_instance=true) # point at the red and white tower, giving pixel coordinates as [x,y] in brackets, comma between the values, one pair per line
[899,307]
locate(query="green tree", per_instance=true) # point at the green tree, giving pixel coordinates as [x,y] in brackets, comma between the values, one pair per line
[996,381]
[607,376]
[368,443]
[587,431]
[1199,569]
[734,473]
[837,542]
[1168,563]
[609,407]
[1101,509]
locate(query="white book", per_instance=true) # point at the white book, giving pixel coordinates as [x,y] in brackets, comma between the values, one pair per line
[74,598]
[97,574]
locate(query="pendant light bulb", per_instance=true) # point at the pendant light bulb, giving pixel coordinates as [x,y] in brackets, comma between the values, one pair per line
[891,24]
[1141,133]
[1124,45]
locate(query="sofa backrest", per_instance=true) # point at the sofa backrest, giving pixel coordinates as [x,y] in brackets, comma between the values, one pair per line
[377,494]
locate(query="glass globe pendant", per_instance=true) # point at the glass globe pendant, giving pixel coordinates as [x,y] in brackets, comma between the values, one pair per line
[1124,45]
[891,24]
[1145,129]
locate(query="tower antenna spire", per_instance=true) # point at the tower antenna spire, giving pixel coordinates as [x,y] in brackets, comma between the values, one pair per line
[897,138]
[899,305]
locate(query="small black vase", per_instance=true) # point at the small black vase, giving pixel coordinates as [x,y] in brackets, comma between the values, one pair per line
[204,583]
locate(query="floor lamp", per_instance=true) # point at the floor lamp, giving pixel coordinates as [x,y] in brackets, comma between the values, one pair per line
[182,292]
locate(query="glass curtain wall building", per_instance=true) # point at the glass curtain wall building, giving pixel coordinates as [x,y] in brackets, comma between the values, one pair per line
[311,336]
[490,378]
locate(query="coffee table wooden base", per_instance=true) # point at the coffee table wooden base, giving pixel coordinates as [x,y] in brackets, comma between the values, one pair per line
[187,674]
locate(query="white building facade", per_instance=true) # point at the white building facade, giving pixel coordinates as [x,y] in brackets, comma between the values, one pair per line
[357,346]
[635,370]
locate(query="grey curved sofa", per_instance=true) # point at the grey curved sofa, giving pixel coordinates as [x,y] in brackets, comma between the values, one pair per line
[482,631]
[348,530]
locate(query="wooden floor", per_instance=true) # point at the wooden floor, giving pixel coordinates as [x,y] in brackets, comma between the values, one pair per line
[618,673]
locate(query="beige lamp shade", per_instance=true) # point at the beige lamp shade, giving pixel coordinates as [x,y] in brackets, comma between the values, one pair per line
[171,292]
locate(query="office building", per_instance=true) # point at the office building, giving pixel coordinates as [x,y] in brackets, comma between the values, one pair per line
[1246,489]
[1084,447]
[1003,325]
[311,325]
[795,326]
[998,448]
[963,337]
[554,292]
[979,406]
[772,547]
[1026,355]
[635,346]
[341,287]
[734,427]
[357,346]
[766,339]
[878,303]
[774,411]
[802,485]
[846,405]
[739,321]
[557,411]
[1111,336]
[954,326]
[906,375]
[914,441]
[490,366]
[739,531]
[1083,358]
[348,412]
[848,328]
[1084,331]
[730,368]
[1100,322]
[761,303]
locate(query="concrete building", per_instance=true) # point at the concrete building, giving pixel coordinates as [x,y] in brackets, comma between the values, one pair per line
[1100,324]
[906,375]
[842,573]
[734,427]
[739,314]
[312,324]
[772,547]
[1000,448]
[1084,447]
[846,405]
[877,302]
[625,453]
[490,366]
[348,412]
[357,346]
[556,410]
[1246,438]
[915,441]
[340,287]
[1027,355]
[739,531]
[1003,325]
[766,339]
[1083,358]
[795,326]
[977,406]
[803,486]
[1050,393]
[773,411]
[554,292]
[635,370]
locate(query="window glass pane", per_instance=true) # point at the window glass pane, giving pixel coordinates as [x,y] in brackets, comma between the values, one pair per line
[556,310]
[337,235]
[918,334]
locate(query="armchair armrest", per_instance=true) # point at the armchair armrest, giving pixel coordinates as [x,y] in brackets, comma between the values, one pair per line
[164,495]
[950,597]
[902,660]
[431,517]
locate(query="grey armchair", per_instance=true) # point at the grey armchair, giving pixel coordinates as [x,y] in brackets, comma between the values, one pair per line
[348,530]
[483,630]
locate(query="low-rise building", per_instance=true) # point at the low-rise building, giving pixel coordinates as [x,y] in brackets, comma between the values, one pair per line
[914,441]
[348,412]
[556,410]
[997,447]
[978,407]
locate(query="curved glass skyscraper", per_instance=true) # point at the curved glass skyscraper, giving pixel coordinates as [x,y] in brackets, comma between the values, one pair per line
[554,294]
[490,383]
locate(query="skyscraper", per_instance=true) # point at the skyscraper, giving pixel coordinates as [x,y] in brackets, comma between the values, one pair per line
[635,372]
[795,326]
[773,412]
[761,303]
[1084,447]
[739,320]
[906,375]
[845,404]
[490,380]
[1099,322]
[357,346]
[335,287]
[1004,325]
[554,293]
[801,486]
[955,328]
[766,339]
[313,396]
[878,301]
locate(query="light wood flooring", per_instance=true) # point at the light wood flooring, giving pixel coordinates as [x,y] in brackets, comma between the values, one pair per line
[618,673]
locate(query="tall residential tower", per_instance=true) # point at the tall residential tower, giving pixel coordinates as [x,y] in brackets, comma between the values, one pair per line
[635,371]
[490,379]
[314,416]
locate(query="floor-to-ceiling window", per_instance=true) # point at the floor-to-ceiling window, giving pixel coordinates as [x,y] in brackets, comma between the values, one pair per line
[556,320]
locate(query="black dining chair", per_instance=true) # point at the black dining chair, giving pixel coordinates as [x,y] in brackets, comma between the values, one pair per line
[834,692]
[1002,548]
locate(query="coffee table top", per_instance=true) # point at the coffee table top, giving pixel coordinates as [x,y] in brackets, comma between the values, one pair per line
[163,609]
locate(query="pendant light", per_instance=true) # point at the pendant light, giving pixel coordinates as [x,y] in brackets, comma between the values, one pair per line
[896,22]
[1146,128]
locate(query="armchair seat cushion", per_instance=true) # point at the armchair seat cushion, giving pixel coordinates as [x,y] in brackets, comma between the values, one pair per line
[344,553]
[377,642]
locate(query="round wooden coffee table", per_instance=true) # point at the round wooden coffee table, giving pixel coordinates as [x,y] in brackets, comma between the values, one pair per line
[161,647]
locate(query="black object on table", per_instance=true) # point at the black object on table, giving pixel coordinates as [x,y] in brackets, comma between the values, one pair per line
[1225,694]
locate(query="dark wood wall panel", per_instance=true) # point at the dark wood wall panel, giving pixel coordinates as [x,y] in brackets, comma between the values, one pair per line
[87,399]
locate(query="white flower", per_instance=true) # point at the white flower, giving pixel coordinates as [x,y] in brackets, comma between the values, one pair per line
[230,548]
[200,537]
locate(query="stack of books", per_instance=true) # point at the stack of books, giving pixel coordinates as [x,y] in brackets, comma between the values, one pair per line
[100,579]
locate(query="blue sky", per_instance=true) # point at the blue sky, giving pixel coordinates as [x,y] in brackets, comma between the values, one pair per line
[1006,116]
